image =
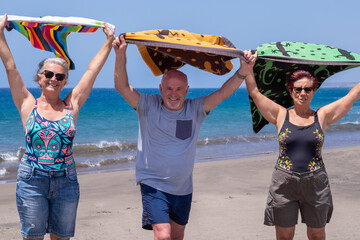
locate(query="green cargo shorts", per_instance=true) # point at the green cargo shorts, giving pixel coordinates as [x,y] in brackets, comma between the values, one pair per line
[290,192]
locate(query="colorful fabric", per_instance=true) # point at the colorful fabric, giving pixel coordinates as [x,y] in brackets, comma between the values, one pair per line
[49,143]
[279,59]
[300,146]
[50,33]
[164,50]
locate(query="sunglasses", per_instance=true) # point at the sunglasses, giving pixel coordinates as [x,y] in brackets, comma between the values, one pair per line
[306,89]
[58,76]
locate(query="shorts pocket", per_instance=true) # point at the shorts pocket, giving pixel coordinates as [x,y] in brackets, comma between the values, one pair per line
[279,177]
[71,175]
[25,173]
[183,129]
[269,212]
[321,180]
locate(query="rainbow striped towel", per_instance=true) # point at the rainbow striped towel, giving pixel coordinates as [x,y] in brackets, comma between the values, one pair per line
[49,33]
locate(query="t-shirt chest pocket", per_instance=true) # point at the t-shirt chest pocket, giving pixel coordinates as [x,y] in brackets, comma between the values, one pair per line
[183,129]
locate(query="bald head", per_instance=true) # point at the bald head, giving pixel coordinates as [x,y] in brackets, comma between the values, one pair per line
[174,74]
[174,88]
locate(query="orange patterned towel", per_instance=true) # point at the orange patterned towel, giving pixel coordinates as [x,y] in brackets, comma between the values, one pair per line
[164,50]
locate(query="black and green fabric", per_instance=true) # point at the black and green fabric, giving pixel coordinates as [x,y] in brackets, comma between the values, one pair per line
[277,60]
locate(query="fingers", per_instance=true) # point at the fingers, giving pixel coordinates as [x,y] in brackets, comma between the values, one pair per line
[116,43]
[122,40]
[250,57]
[3,22]
[254,57]
[108,32]
[119,44]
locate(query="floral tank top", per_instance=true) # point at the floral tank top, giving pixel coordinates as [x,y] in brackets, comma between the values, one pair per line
[300,146]
[49,143]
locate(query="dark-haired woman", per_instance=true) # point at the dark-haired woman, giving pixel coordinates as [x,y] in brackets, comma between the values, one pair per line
[299,181]
[47,191]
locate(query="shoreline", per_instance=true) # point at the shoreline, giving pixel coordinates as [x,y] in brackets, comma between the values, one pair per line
[228,201]
[83,169]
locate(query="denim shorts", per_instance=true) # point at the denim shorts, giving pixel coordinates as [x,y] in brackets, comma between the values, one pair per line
[160,207]
[47,201]
[291,192]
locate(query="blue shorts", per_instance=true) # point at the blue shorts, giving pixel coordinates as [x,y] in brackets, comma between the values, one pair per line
[160,207]
[47,201]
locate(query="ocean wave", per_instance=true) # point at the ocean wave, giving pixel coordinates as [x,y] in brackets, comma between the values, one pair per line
[237,139]
[12,156]
[80,150]
[106,162]
[2,171]
[8,171]
[345,126]
[103,147]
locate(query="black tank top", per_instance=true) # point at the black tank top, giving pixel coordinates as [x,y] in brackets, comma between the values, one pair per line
[300,146]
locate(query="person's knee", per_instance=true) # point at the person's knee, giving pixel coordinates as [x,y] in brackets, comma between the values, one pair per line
[177,236]
[284,236]
[177,231]
[316,233]
[285,233]
[162,231]
[162,235]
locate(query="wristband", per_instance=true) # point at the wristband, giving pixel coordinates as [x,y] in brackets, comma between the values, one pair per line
[240,76]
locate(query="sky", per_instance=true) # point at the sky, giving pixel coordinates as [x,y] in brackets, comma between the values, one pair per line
[247,24]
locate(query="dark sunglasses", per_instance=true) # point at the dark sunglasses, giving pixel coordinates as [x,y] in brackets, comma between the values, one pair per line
[306,89]
[58,76]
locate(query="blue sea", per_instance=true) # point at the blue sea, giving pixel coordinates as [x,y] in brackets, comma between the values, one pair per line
[107,130]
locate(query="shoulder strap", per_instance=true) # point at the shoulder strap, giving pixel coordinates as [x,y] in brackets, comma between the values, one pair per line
[66,106]
[316,116]
[287,115]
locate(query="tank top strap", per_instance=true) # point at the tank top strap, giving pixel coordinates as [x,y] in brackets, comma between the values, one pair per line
[287,115]
[316,117]
[66,106]
[36,103]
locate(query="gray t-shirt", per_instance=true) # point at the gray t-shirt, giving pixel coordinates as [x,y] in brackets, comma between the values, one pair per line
[167,143]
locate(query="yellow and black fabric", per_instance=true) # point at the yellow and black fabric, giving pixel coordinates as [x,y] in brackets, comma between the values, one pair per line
[164,50]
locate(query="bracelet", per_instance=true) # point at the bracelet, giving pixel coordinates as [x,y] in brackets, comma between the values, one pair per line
[239,75]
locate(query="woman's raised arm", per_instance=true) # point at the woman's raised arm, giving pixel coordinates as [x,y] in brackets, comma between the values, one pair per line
[21,96]
[78,96]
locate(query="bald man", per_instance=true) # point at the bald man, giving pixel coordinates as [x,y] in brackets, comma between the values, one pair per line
[169,125]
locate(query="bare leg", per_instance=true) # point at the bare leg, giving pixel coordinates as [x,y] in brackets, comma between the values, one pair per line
[177,231]
[316,233]
[53,237]
[162,231]
[166,231]
[285,233]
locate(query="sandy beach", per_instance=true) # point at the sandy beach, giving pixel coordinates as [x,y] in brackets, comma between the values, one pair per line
[228,201]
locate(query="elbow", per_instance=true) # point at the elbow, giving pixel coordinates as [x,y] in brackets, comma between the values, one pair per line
[254,93]
[120,86]
[251,94]
[10,67]
[117,86]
